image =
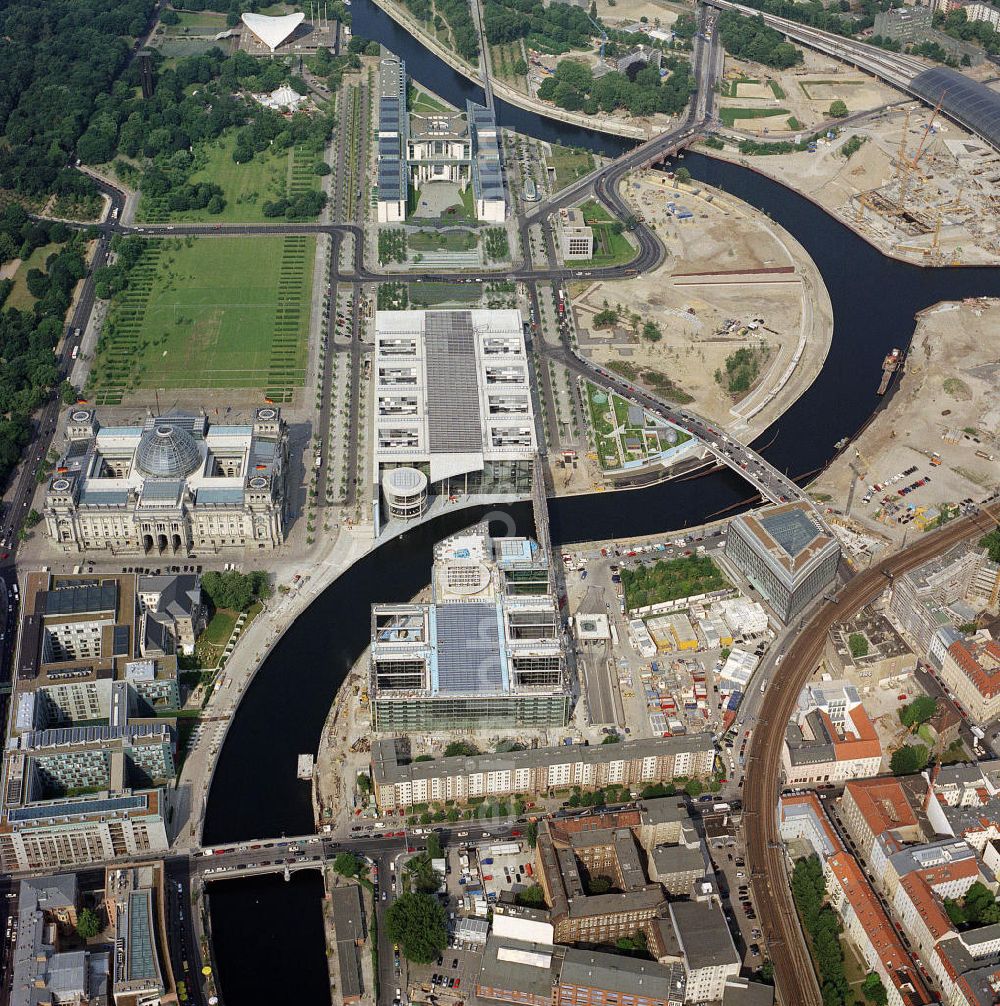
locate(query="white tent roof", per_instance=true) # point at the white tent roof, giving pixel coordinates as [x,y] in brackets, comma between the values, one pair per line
[272,31]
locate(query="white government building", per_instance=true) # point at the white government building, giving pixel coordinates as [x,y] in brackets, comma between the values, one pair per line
[176,485]
[454,415]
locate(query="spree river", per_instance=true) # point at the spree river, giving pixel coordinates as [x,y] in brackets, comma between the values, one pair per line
[255,793]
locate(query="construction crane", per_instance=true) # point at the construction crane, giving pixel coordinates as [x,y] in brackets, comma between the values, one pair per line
[863,460]
[908,165]
[603,34]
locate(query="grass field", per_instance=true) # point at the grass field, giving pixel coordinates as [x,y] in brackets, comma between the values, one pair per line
[197,23]
[20,297]
[569,164]
[442,241]
[247,187]
[731,115]
[211,313]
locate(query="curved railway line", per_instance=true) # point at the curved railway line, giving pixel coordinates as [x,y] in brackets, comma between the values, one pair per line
[794,974]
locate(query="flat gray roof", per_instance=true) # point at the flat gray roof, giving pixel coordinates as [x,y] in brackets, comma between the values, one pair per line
[454,424]
[620,974]
[703,934]
[468,648]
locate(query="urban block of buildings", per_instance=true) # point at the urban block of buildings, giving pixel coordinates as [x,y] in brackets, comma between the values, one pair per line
[486,651]
[786,553]
[88,751]
[971,670]
[419,150]
[453,409]
[830,738]
[400,784]
[176,485]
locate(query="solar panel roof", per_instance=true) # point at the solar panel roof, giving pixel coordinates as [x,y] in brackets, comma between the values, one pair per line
[70,808]
[454,424]
[141,959]
[81,599]
[966,101]
[792,530]
[468,648]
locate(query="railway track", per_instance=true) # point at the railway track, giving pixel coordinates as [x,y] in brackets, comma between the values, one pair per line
[794,974]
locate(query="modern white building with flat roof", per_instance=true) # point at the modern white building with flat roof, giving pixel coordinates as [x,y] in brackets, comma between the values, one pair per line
[453,414]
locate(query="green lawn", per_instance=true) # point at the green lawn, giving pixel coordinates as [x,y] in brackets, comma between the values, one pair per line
[427,104]
[20,297]
[431,294]
[247,187]
[569,164]
[730,115]
[594,213]
[609,249]
[442,241]
[211,313]
[667,580]
[197,22]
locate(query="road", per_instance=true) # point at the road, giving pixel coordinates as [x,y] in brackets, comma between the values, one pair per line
[793,970]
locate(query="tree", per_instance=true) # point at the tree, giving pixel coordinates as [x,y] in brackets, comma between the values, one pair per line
[694,787]
[991,543]
[651,332]
[418,923]
[364,782]
[858,644]
[838,109]
[88,924]
[873,989]
[321,168]
[33,518]
[456,748]
[908,759]
[919,711]
[68,395]
[531,897]
[531,834]
[682,176]
[348,865]
[599,885]
[434,849]
[234,590]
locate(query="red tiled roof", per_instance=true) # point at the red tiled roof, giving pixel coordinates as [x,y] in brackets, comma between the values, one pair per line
[927,905]
[873,920]
[980,663]
[882,803]
[863,742]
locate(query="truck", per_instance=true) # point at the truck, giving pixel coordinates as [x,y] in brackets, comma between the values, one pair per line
[721,808]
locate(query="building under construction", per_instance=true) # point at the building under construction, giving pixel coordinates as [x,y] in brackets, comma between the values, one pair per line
[486,652]
[941,199]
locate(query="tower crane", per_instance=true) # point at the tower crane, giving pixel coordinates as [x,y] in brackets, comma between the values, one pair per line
[603,33]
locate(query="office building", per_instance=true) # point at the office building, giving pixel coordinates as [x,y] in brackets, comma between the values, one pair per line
[485,652]
[830,738]
[904,24]
[971,670]
[422,149]
[630,763]
[786,553]
[453,414]
[801,818]
[42,970]
[172,487]
[172,614]
[576,238]
[141,971]
[678,867]
[639,56]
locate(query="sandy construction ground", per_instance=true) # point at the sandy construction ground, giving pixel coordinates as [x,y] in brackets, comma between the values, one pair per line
[948,403]
[726,264]
[951,199]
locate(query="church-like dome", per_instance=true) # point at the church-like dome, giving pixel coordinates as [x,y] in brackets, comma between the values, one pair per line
[167,452]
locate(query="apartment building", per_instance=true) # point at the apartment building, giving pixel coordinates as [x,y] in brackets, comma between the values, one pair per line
[950,866]
[830,738]
[964,801]
[631,763]
[922,915]
[971,669]
[709,955]
[801,817]
[872,932]
[873,807]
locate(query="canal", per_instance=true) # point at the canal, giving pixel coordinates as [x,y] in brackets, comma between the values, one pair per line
[255,793]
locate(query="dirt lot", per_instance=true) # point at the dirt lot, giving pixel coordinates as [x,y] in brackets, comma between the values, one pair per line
[705,295]
[950,200]
[950,389]
[629,11]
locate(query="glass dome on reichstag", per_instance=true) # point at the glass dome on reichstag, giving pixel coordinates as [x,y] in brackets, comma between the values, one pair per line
[167,452]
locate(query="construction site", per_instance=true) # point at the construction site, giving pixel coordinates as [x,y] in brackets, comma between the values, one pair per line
[913,184]
[935,447]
